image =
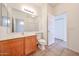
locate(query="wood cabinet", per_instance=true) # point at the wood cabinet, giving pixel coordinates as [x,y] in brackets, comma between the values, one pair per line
[5,48]
[12,47]
[30,44]
[18,46]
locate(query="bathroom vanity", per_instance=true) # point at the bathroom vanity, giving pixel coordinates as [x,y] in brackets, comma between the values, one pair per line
[18,45]
[16,31]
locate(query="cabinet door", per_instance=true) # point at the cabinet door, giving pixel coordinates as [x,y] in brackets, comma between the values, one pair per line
[27,45]
[5,48]
[12,47]
[17,47]
[30,44]
[33,43]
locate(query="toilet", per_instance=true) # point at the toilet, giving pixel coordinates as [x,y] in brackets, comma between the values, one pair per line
[41,41]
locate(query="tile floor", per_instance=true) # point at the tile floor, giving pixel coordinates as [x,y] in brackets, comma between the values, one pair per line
[56,49]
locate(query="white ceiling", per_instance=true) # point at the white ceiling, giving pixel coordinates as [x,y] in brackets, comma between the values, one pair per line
[53,4]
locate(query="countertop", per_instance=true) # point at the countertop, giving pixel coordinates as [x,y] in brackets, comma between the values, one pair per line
[15,35]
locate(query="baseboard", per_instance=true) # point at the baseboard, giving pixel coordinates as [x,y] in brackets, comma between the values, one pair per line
[73,50]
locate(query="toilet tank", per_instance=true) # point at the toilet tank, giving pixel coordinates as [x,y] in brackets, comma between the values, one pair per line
[39,35]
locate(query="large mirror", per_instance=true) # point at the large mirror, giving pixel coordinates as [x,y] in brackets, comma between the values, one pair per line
[22,21]
[13,19]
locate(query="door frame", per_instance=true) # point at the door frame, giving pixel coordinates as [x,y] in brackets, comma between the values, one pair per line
[66,26]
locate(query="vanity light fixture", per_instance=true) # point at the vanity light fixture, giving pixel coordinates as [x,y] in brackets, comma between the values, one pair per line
[29,10]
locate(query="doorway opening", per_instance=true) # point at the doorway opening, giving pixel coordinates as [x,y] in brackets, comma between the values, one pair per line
[57,29]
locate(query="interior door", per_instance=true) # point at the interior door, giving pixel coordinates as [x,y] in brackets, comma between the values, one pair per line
[51,27]
[61,27]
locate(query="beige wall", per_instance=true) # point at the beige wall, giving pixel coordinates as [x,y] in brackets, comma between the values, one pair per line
[72,11]
[51,10]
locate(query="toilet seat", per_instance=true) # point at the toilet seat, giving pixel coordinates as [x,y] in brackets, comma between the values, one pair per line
[42,41]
